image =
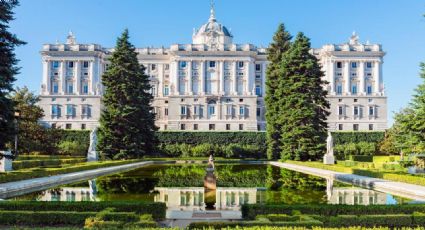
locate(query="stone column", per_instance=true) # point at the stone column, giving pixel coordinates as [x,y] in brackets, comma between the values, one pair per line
[202,77]
[77,71]
[92,83]
[63,76]
[221,77]
[234,89]
[189,78]
[47,77]
[347,78]
[247,89]
[263,78]
[376,71]
[362,78]
[251,77]
[159,90]
[332,76]
[177,79]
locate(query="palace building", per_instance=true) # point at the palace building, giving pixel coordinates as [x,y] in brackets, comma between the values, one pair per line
[210,84]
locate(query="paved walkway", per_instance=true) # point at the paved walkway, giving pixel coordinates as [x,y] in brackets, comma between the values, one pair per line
[411,191]
[22,187]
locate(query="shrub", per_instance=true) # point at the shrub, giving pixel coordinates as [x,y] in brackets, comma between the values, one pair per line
[204,150]
[156,209]
[366,148]
[43,218]
[250,211]
[361,158]
[350,149]
[356,137]
[72,148]
[371,221]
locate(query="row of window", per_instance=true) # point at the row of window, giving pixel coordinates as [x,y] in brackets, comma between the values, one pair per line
[358,111]
[354,65]
[69,64]
[213,64]
[166,92]
[69,87]
[68,126]
[355,127]
[210,127]
[71,110]
[198,110]
[354,89]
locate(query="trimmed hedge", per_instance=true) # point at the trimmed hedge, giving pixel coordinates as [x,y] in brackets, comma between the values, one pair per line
[220,138]
[250,211]
[224,225]
[393,221]
[356,137]
[361,158]
[43,218]
[156,209]
[21,164]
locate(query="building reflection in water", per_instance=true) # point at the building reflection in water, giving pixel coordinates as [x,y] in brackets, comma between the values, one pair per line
[354,195]
[71,193]
[192,198]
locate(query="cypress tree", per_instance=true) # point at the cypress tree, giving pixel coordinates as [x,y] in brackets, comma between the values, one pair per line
[127,128]
[279,45]
[302,103]
[8,70]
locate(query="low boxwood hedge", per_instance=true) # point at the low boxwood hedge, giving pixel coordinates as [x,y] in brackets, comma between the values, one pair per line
[393,221]
[224,225]
[139,207]
[250,211]
[361,158]
[21,164]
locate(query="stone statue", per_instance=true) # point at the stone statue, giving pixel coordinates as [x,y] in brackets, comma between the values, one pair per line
[92,153]
[211,161]
[330,144]
[329,158]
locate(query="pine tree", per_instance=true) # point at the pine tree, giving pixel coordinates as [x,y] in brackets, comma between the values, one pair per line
[302,103]
[127,128]
[8,70]
[280,44]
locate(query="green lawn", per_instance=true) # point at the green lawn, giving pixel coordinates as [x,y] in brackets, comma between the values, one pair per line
[393,175]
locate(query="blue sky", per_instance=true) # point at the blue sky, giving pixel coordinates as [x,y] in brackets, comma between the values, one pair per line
[398,25]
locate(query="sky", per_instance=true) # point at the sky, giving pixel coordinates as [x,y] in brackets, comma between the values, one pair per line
[398,25]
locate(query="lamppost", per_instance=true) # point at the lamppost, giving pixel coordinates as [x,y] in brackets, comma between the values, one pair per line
[17,116]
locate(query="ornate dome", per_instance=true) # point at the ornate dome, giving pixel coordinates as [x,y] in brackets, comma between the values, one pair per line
[212,32]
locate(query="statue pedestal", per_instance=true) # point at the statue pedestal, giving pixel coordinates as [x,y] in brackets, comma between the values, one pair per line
[92,156]
[329,159]
[6,161]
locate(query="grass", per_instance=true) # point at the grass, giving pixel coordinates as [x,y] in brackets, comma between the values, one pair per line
[393,175]
[30,173]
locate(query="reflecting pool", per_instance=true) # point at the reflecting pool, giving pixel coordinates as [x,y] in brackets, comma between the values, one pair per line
[181,188]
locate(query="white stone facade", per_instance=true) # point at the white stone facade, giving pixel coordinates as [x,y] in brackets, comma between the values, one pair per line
[211,84]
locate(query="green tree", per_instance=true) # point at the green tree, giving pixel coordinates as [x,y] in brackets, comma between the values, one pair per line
[303,107]
[280,44]
[32,135]
[127,121]
[8,70]
[388,145]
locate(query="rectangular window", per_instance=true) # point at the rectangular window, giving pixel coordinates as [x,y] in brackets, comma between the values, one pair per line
[356,127]
[354,89]
[70,87]
[153,67]
[369,89]
[70,110]
[70,64]
[258,112]
[229,110]
[195,110]
[183,110]
[83,126]
[339,89]
[55,87]
[211,110]
[85,64]
[55,64]
[165,127]
[212,64]
[240,126]
[257,76]
[258,90]
[242,110]
[339,65]
[370,126]
[56,112]
[257,67]
[368,65]
[182,126]
[353,65]
[371,111]
[211,126]
[240,64]
[356,111]
[227,126]
[183,64]
[195,126]
[85,88]
[340,126]
[166,111]
[166,90]
[167,67]
[86,111]
[340,110]
[68,126]
[53,126]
